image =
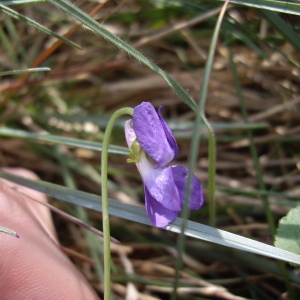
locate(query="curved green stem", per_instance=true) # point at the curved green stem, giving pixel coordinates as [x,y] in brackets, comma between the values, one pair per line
[211,172]
[105,214]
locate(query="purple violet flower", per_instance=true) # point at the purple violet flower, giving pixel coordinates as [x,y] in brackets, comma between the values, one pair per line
[152,147]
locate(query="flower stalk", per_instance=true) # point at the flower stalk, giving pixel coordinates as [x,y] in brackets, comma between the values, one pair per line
[105,213]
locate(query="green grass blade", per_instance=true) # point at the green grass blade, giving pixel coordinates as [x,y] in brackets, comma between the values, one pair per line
[15,37]
[286,30]
[138,215]
[8,231]
[256,192]
[273,5]
[14,14]
[253,149]
[61,140]
[194,149]
[7,45]
[102,121]
[18,2]
[81,16]
[242,36]
[180,126]
[92,240]
[29,70]
[257,166]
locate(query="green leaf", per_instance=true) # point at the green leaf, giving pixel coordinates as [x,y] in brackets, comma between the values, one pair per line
[14,14]
[288,232]
[138,214]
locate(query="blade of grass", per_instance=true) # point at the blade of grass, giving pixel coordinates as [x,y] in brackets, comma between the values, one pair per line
[67,216]
[29,70]
[200,119]
[8,231]
[81,16]
[258,168]
[14,14]
[279,6]
[288,57]
[7,45]
[93,243]
[138,215]
[47,52]
[255,192]
[54,139]
[242,36]
[61,140]
[287,31]
[102,120]
[253,150]
[18,2]
[15,37]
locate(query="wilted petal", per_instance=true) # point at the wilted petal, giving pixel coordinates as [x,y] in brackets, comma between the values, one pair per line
[180,176]
[158,214]
[153,134]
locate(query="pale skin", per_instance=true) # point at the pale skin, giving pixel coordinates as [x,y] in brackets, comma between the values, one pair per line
[33,266]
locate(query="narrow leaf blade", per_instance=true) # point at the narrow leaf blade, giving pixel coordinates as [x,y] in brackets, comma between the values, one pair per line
[14,14]
[61,140]
[138,214]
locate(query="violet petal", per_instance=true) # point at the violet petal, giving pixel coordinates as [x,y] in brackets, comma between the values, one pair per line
[168,132]
[158,214]
[160,184]
[159,181]
[180,176]
[154,135]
